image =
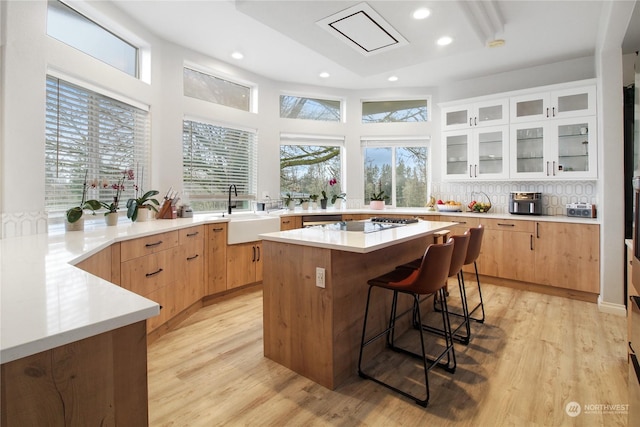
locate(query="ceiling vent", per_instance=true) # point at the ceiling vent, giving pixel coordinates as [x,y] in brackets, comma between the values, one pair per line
[363,29]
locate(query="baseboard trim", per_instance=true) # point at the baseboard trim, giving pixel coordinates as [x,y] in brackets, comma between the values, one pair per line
[611,308]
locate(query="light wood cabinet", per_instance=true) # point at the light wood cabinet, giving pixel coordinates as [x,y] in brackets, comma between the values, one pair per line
[192,259]
[507,249]
[216,281]
[141,246]
[244,264]
[568,255]
[290,222]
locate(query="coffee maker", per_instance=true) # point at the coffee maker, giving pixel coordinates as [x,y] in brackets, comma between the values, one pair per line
[525,203]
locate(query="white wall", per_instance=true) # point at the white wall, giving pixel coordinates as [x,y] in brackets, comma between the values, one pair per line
[27,55]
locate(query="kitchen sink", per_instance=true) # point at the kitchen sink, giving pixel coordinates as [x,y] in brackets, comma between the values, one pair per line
[245,227]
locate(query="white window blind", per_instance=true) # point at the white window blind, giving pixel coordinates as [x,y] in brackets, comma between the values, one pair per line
[89,133]
[214,158]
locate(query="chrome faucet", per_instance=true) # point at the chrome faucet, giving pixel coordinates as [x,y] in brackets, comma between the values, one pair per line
[236,191]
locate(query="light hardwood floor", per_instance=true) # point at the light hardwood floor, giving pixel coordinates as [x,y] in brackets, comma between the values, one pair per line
[533,355]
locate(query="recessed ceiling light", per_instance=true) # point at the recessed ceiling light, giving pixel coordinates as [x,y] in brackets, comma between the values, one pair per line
[237,55]
[324,75]
[443,41]
[421,13]
[393,79]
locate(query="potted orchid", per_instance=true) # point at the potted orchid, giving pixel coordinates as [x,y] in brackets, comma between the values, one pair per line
[146,202]
[314,200]
[337,198]
[74,219]
[378,199]
[111,215]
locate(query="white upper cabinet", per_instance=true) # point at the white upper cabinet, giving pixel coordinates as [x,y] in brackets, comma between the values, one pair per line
[477,114]
[570,102]
[555,149]
[477,154]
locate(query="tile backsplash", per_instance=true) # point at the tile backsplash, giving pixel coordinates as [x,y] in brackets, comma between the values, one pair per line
[555,195]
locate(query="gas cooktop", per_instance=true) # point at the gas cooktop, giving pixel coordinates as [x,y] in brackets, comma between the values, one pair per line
[364,226]
[387,220]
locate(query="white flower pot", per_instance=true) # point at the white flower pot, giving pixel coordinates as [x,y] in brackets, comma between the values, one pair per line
[143,215]
[74,226]
[376,204]
[304,205]
[111,218]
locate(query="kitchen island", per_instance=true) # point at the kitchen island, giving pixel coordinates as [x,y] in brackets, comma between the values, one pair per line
[315,330]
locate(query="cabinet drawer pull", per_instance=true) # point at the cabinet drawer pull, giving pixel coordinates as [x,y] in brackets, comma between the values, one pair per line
[470,174]
[506,225]
[218,229]
[254,254]
[150,245]
[154,273]
[286,222]
[193,234]
[531,241]
[258,249]
[190,258]
[460,222]
[537,230]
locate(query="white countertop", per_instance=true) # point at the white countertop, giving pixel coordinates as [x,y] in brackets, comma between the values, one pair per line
[45,302]
[356,241]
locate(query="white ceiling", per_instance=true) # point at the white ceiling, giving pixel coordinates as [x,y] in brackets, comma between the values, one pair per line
[281,40]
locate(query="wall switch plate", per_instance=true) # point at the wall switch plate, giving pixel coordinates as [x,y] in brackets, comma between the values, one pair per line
[320,277]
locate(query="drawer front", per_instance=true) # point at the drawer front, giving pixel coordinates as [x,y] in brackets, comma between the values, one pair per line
[190,234]
[145,274]
[462,221]
[508,225]
[135,248]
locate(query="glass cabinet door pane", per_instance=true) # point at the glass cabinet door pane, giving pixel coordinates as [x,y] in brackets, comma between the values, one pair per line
[529,150]
[457,151]
[573,147]
[490,152]
[490,113]
[533,107]
[577,102]
[457,117]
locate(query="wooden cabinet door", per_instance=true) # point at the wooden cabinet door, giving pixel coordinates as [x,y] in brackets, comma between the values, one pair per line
[507,254]
[568,256]
[192,271]
[146,274]
[241,264]
[216,274]
[290,223]
[258,262]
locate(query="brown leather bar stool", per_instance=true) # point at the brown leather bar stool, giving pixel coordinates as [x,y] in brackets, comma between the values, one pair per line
[475,244]
[461,244]
[429,278]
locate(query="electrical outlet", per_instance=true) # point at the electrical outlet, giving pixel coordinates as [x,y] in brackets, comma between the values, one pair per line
[320,277]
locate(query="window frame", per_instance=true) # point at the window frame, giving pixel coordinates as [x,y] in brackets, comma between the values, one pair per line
[253,88]
[394,143]
[312,97]
[426,98]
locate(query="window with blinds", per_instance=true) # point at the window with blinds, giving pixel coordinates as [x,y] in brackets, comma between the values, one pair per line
[94,136]
[214,158]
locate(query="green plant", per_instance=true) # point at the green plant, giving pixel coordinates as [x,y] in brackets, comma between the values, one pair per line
[314,197]
[145,201]
[288,199]
[303,200]
[118,186]
[340,195]
[76,212]
[380,196]
[324,195]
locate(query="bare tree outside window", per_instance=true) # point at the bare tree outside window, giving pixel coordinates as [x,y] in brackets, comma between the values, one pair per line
[307,169]
[294,107]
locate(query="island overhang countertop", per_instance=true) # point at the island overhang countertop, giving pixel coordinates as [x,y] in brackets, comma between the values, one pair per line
[356,241]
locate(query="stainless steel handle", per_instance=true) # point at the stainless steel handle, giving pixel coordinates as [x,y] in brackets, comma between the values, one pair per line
[158,271]
[547,168]
[476,170]
[547,111]
[553,110]
[470,174]
[470,121]
[475,121]
[191,258]
[554,168]
[149,245]
[193,234]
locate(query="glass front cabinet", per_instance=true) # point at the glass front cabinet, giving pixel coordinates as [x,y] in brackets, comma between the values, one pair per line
[564,103]
[477,154]
[560,149]
[478,114]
